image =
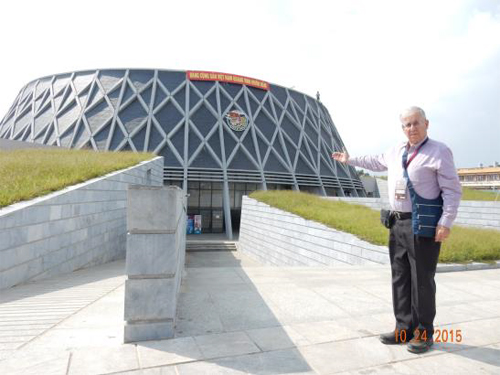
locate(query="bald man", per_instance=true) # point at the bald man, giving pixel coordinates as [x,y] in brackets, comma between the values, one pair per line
[424,195]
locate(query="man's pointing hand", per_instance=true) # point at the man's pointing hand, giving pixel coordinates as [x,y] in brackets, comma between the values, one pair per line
[343,157]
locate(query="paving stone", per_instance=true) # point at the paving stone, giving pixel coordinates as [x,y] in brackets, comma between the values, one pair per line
[55,364]
[299,305]
[354,300]
[115,359]
[167,352]
[197,315]
[11,345]
[243,310]
[326,331]
[169,370]
[352,355]
[275,338]
[276,362]
[225,344]
[473,360]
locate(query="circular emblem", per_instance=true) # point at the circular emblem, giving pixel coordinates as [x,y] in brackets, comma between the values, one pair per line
[237,120]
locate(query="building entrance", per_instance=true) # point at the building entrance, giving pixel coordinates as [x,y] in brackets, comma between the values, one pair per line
[206,199]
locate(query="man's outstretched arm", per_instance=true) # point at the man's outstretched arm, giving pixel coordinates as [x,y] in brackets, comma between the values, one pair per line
[376,163]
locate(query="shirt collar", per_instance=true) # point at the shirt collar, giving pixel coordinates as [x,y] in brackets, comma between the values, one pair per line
[408,147]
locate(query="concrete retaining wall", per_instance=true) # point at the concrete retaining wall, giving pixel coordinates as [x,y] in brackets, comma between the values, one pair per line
[280,238]
[78,227]
[479,214]
[156,248]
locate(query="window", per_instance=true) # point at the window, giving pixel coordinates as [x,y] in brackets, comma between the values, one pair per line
[194,198]
[217,198]
[205,198]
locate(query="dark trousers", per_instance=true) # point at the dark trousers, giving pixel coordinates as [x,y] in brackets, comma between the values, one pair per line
[413,264]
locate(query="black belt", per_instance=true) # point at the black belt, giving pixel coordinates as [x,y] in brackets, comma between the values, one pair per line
[401,215]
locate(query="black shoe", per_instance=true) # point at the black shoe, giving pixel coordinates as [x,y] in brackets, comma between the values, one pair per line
[419,346]
[399,336]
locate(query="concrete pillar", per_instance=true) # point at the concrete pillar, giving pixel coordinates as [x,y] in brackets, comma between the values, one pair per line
[156,224]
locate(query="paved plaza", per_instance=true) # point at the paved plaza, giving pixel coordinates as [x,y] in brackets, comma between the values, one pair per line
[236,316]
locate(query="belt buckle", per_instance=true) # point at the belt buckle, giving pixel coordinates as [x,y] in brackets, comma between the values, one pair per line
[397,215]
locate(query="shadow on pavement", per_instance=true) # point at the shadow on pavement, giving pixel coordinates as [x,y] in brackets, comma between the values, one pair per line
[64,281]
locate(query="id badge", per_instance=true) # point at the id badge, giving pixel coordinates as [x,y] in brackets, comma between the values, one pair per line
[401,189]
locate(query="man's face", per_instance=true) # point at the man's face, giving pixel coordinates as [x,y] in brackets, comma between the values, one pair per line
[415,127]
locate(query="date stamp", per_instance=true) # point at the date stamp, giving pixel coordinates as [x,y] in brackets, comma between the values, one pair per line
[440,335]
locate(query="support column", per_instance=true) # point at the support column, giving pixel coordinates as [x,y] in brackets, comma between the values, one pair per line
[226,202]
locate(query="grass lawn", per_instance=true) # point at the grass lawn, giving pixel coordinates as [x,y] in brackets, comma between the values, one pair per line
[26,174]
[463,245]
[479,195]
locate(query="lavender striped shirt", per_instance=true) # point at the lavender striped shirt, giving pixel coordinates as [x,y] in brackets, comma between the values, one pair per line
[431,171]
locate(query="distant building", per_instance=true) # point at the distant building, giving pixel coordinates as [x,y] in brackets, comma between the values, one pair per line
[480,178]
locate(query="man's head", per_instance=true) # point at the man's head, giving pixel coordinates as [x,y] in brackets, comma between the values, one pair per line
[414,124]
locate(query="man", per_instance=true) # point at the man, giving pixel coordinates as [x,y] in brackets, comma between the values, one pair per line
[424,195]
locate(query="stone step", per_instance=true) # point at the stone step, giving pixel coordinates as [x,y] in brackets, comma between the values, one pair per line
[211,246]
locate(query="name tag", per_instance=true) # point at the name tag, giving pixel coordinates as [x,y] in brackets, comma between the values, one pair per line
[400,192]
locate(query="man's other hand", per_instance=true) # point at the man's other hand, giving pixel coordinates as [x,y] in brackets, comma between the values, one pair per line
[343,157]
[442,233]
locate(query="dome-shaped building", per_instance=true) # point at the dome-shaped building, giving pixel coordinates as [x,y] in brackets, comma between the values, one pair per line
[222,135]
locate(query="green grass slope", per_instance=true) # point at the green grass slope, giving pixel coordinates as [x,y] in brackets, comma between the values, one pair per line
[26,174]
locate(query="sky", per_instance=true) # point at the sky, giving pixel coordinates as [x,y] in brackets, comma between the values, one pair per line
[368,59]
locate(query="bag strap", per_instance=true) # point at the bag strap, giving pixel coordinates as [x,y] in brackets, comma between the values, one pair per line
[405,173]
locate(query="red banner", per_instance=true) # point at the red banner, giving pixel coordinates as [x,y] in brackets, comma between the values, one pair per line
[196,75]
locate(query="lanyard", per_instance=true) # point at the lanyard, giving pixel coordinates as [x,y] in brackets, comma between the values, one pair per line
[405,154]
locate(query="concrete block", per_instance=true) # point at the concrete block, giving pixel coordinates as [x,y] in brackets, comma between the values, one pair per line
[152,254]
[37,231]
[20,274]
[13,237]
[450,267]
[8,220]
[147,299]
[36,214]
[149,331]
[150,209]
[480,266]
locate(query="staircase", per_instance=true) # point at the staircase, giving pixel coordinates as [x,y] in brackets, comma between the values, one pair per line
[200,245]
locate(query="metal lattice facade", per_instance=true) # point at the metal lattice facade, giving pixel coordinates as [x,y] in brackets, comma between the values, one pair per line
[288,140]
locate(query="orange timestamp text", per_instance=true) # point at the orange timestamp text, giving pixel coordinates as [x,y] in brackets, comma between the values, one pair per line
[440,335]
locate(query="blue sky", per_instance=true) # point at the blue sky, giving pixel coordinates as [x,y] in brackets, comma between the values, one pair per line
[368,59]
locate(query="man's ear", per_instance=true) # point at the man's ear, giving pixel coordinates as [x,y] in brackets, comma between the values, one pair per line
[426,124]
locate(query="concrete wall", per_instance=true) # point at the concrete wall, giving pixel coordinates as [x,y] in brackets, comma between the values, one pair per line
[479,214]
[156,248]
[280,238]
[78,227]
